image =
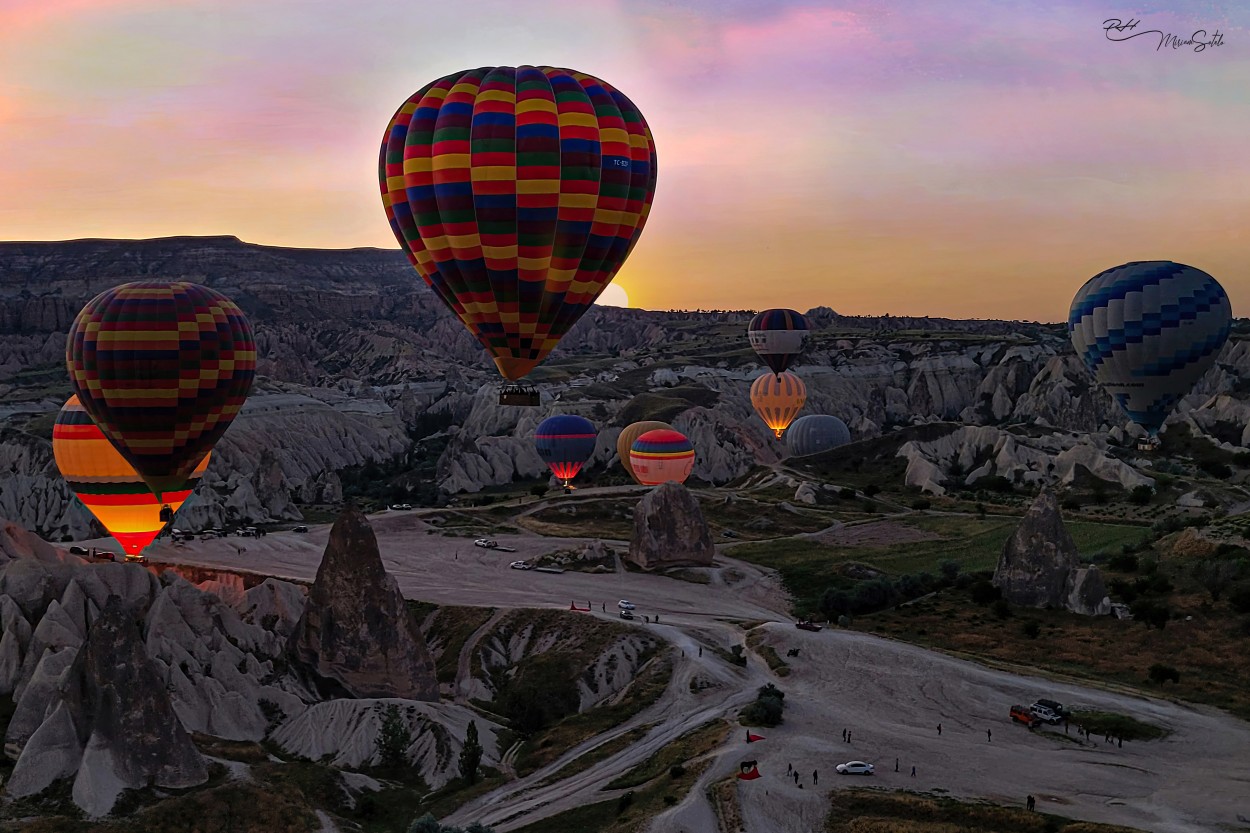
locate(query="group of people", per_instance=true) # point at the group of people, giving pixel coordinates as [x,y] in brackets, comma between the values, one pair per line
[794,773]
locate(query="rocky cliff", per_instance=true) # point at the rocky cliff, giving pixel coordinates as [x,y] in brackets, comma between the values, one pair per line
[356,633]
[670,530]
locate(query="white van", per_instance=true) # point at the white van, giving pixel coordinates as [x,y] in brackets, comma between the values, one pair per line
[1043,713]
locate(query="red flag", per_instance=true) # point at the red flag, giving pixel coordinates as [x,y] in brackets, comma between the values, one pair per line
[753,738]
[747,771]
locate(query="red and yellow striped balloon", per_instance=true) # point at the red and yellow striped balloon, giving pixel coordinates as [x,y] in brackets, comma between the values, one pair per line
[162,367]
[108,485]
[625,442]
[661,455]
[517,193]
[778,398]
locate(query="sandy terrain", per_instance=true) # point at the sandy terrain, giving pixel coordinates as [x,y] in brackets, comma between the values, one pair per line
[889,694]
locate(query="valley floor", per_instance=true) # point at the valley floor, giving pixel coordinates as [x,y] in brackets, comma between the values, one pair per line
[890,695]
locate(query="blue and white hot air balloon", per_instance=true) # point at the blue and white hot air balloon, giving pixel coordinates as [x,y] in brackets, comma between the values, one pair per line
[1148,331]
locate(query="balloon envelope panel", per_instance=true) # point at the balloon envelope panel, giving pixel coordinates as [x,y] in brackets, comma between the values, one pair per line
[565,442]
[107,484]
[815,433]
[661,455]
[162,368]
[626,440]
[777,336]
[778,398]
[517,193]
[1148,331]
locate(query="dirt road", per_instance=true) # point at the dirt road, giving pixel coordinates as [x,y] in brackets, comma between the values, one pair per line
[889,694]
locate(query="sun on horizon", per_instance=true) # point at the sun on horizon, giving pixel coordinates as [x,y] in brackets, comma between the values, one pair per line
[614,295]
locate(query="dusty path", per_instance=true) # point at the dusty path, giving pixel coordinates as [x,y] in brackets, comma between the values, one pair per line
[463,670]
[891,695]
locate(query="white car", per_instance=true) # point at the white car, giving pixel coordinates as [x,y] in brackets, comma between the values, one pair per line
[854,768]
[624,605]
[485,543]
[520,565]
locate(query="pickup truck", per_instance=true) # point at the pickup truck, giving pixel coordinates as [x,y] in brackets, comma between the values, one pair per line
[808,626]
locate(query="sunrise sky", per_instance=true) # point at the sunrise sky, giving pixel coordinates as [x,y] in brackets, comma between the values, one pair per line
[970,158]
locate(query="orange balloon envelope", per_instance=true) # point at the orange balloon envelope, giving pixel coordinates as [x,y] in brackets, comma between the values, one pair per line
[626,441]
[107,484]
[660,456]
[778,398]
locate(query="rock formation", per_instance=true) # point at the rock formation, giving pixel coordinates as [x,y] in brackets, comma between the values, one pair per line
[670,531]
[356,632]
[111,723]
[1040,565]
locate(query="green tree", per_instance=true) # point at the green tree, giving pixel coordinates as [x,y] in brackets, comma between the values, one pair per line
[539,489]
[393,739]
[470,754]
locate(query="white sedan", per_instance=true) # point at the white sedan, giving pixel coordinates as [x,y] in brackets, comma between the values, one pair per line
[485,543]
[854,768]
[624,605]
[520,565]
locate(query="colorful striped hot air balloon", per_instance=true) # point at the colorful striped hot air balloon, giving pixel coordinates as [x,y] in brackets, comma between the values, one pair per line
[815,433]
[778,398]
[162,367]
[565,442]
[517,193]
[108,485]
[1148,331]
[626,441]
[661,455]
[777,336]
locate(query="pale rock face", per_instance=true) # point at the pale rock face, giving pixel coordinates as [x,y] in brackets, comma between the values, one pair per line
[670,530]
[347,730]
[805,493]
[1040,565]
[1089,593]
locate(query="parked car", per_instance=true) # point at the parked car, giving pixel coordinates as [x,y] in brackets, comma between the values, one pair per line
[625,605]
[300,528]
[103,555]
[520,565]
[78,551]
[807,626]
[729,533]
[403,506]
[625,614]
[1056,707]
[854,768]
[1044,714]
[136,558]
[1019,714]
[485,543]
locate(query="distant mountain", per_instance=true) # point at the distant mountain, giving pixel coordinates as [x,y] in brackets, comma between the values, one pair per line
[369,384]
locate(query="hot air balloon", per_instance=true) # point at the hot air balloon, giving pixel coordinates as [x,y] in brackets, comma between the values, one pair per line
[517,193]
[815,433]
[1148,331]
[108,485]
[162,367]
[626,441]
[661,455]
[778,398]
[777,335]
[564,443]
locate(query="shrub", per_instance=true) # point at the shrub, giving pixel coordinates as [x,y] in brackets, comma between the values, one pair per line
[1155,584]
[1001,608]
[844,621]
[983,592]
[1151,613]
[871,489]
[846,493]
[1032,629]
[835,602]
[920,504]
[949,570]
[539,489]
[1216,469]
[1141,495]
[1072,503]
[1239,600]
[676,771]
[623,803]
[1123,590]
[1162,673]
[1125,563]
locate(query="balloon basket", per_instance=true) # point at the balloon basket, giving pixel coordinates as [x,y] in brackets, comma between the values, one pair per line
[525,396]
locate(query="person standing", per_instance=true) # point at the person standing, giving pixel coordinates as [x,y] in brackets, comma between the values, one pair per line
[913,771]
[1030,803]
[939,730]
[848,735]
[789,769]
[815,778]
[844,736]
[896,764]
[989,736]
